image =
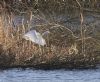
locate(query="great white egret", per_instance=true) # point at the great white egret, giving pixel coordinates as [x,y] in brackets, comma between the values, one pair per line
[35,37]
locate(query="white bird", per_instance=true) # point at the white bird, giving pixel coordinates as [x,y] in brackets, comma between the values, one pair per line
[46,33]
[35,37]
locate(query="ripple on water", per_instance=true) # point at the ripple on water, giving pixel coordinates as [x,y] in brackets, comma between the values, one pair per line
[31,75]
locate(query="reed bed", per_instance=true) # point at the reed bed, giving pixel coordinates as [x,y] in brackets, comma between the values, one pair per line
[64,48]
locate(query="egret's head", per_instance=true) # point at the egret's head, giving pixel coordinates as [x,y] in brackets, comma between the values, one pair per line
[45,33]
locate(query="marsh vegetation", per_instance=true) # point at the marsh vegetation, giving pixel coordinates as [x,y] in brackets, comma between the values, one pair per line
[73,41]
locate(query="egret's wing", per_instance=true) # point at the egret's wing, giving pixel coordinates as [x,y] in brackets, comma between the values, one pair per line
[40,39]
[30,36]
[35,37]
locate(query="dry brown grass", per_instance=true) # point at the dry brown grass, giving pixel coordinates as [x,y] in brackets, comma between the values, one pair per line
[62,44]
[60,39]
[1,32]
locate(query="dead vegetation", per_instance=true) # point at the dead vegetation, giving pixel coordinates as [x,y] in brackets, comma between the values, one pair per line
[64,47]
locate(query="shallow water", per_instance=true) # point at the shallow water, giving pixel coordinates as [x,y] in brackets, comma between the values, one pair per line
[32,75]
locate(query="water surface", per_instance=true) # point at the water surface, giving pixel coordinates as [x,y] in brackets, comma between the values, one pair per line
[32,75]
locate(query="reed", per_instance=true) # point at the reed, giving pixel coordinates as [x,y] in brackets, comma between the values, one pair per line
[63,44]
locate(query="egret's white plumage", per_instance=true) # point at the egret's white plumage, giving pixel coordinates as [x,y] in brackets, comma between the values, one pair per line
[35,37]
[46,33]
